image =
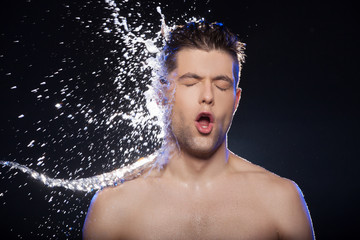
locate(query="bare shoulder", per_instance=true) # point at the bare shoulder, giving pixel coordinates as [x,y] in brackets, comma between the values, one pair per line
[256,175]
[111,209]
[282,197]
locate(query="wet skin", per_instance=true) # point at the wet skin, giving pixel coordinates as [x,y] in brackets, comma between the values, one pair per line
[205,191]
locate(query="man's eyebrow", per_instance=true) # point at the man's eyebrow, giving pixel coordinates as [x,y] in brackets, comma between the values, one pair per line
[223,77]
[195,76]
[190,75]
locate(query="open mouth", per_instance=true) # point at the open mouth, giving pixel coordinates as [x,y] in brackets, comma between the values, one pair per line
[204,122]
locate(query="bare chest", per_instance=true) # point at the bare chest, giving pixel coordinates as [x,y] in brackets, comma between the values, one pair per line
[209,217]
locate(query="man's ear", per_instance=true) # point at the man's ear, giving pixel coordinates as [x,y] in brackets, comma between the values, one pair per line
[237,98]
[161,98]
[162,92]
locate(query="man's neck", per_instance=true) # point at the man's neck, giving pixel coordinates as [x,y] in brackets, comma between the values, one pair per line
[187,168]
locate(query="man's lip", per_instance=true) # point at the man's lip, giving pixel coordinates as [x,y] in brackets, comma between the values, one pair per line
[204,127]
[205,114]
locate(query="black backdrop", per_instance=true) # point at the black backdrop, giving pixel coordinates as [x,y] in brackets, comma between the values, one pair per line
[298,115]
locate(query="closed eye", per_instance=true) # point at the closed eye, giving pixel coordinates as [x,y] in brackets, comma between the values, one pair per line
[189,79]
[221,89]
[223,84]
[190,84]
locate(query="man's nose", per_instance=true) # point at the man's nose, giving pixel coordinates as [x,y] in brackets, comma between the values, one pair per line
[207,95]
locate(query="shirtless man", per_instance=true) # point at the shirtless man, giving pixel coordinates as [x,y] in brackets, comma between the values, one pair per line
[204,191]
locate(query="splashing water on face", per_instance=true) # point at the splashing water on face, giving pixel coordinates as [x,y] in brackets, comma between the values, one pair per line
[138,117]
[116,128]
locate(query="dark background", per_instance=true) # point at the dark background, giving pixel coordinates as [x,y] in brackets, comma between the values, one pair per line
[298,116]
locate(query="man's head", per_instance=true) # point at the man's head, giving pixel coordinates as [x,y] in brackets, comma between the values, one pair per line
[202,63]
[205,36]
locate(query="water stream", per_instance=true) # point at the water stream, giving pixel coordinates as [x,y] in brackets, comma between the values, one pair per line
[79,126]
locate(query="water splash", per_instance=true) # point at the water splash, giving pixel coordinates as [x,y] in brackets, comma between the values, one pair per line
[152,114]
[98,182]
[138,116]
[83,119]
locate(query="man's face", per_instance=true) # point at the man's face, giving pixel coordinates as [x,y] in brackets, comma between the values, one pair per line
[204,101]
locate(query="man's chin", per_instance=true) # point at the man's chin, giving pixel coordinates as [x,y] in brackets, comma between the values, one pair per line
[202,153]
[202,147]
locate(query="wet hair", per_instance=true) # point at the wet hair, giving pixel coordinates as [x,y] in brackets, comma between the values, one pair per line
[205,36]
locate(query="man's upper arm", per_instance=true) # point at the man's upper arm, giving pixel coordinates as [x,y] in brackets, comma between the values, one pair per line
[294,216]
[100,220]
